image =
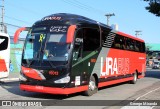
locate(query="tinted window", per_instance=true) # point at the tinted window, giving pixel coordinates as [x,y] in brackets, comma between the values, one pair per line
[91,39]
[3,43]
[119,42]
[78,46]
[124,43]
[143,48]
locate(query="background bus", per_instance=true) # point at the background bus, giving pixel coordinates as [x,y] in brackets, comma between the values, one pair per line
[4,55]
[66,53]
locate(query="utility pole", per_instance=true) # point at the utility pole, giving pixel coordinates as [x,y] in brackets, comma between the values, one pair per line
[2,17]
[108,16]
[138,33]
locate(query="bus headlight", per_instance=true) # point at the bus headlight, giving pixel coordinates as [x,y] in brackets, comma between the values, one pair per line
[63,80]
[22,78]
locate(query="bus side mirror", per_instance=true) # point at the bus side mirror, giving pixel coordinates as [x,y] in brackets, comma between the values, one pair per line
[17,33]
[70,33]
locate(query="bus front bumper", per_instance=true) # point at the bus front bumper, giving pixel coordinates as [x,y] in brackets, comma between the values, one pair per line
[53,90]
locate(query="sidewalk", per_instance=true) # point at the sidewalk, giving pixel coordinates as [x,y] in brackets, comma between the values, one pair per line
[12,77]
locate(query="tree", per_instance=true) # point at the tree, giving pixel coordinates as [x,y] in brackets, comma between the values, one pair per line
[154,7]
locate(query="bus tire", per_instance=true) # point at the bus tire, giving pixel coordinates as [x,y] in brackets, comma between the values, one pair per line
[134,78]
[92,87]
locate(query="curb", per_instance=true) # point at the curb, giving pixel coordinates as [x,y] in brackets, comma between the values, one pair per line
[9,80]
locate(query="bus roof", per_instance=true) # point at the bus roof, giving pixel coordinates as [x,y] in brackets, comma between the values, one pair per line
[73,19]
[66,16]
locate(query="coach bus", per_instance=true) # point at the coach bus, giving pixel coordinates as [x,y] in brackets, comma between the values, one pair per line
[66,53]
[4,55]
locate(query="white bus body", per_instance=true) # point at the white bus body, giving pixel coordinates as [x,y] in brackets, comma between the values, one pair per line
[4,55]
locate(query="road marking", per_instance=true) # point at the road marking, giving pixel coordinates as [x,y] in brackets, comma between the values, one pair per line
[141,107]
[147,93]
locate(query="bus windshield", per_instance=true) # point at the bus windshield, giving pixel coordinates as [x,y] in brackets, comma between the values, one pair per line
[43,46]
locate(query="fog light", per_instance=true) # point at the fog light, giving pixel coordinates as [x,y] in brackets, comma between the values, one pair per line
[63,80]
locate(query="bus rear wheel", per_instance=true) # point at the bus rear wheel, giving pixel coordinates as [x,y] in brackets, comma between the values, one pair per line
[92,87]
[134,78]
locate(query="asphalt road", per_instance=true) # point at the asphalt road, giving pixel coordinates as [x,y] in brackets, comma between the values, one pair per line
[147,88]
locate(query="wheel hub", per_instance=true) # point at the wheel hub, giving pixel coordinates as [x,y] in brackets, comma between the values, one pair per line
[135,77]
[92,85]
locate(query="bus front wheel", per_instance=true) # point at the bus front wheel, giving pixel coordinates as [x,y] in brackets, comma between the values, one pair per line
[92,87]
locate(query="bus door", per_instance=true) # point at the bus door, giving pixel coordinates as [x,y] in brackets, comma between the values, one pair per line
[77,62]
[86,50]
[91,49]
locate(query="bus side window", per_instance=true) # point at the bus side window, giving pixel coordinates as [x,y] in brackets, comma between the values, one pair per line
[127,44]
[137,48]
[142,50]
[91,39]
[116,43]
[124,46]
[131,45]
[122,43]
[78,45]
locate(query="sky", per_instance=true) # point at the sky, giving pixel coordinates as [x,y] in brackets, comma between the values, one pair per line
[130,15]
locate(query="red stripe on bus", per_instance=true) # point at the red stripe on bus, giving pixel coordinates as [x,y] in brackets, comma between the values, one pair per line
[70,33]
[3,67]
[102,84]
[53,90]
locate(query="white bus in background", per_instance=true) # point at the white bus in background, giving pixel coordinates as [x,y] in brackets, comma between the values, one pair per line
[4,55]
